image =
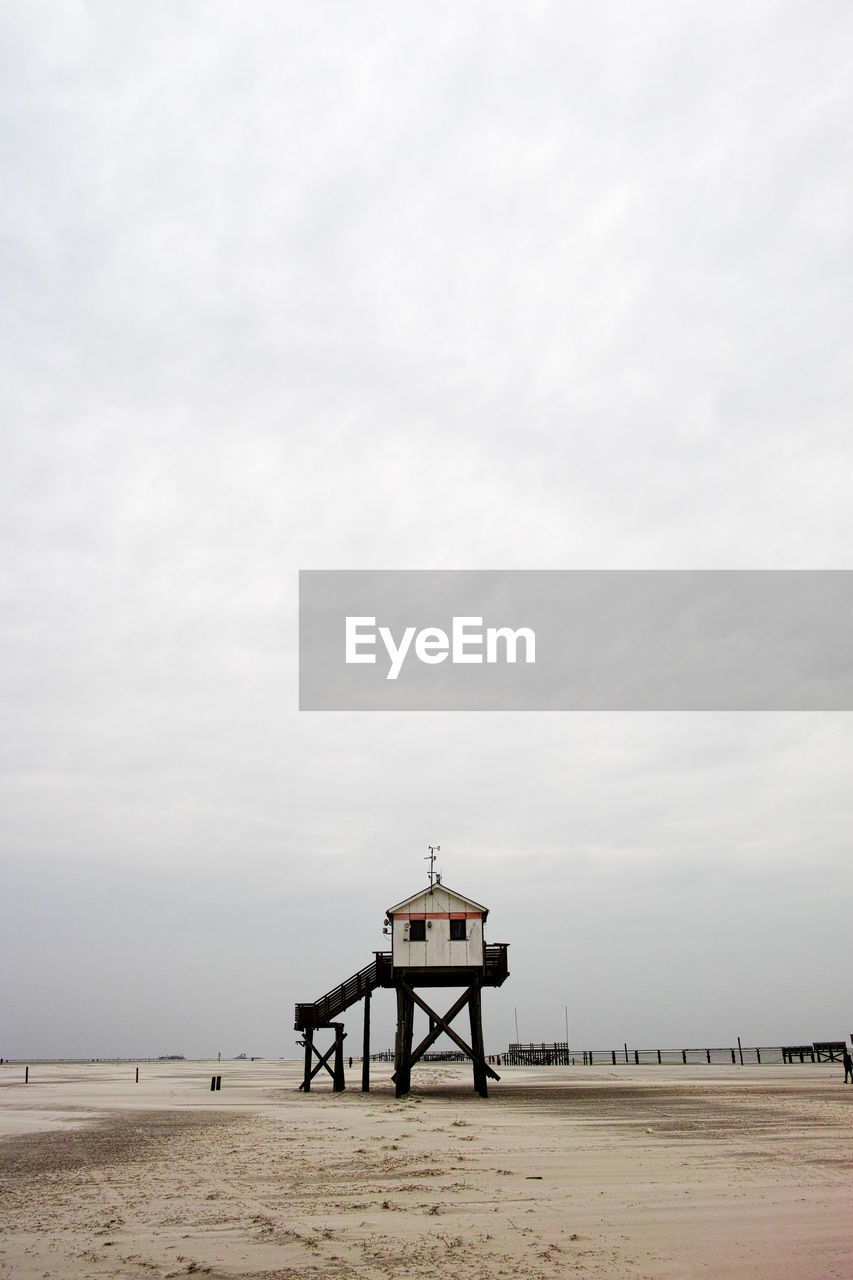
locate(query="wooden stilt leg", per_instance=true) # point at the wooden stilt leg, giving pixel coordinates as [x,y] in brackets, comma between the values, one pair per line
[398,1038]
[405,1026]
[309,1041]
[478,1055]
[339,1083]
[407,1040]
[365,1048]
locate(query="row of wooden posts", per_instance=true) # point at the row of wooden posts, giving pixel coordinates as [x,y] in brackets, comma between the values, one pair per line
[541,1055]
[560,1055]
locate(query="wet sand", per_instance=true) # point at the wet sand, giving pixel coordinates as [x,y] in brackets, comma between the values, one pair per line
[641,1172]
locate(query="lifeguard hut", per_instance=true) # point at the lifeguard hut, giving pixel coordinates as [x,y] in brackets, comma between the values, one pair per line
[437,940]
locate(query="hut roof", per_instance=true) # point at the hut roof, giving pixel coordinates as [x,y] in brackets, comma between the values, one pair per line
[443,899]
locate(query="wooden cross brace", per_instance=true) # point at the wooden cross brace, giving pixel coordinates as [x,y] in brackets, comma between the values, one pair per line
[324,1057]
[443,1025]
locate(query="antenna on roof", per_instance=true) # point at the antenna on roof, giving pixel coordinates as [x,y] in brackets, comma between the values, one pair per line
[430,858]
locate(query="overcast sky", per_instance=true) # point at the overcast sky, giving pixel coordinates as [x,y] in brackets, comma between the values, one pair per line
[294,286]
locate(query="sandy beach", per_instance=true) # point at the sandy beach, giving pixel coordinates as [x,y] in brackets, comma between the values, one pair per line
[638,1172]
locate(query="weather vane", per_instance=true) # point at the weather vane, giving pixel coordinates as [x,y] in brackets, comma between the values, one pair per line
[430,858]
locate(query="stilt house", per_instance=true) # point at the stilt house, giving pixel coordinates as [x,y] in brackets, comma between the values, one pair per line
[436,930]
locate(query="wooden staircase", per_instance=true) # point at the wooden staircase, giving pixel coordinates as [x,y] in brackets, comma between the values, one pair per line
[323,1011]
[379,973]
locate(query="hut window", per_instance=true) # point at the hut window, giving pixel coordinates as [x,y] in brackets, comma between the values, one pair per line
[417,931]
[457,931]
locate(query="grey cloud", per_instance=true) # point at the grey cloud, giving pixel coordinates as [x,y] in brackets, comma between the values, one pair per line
[331,287]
